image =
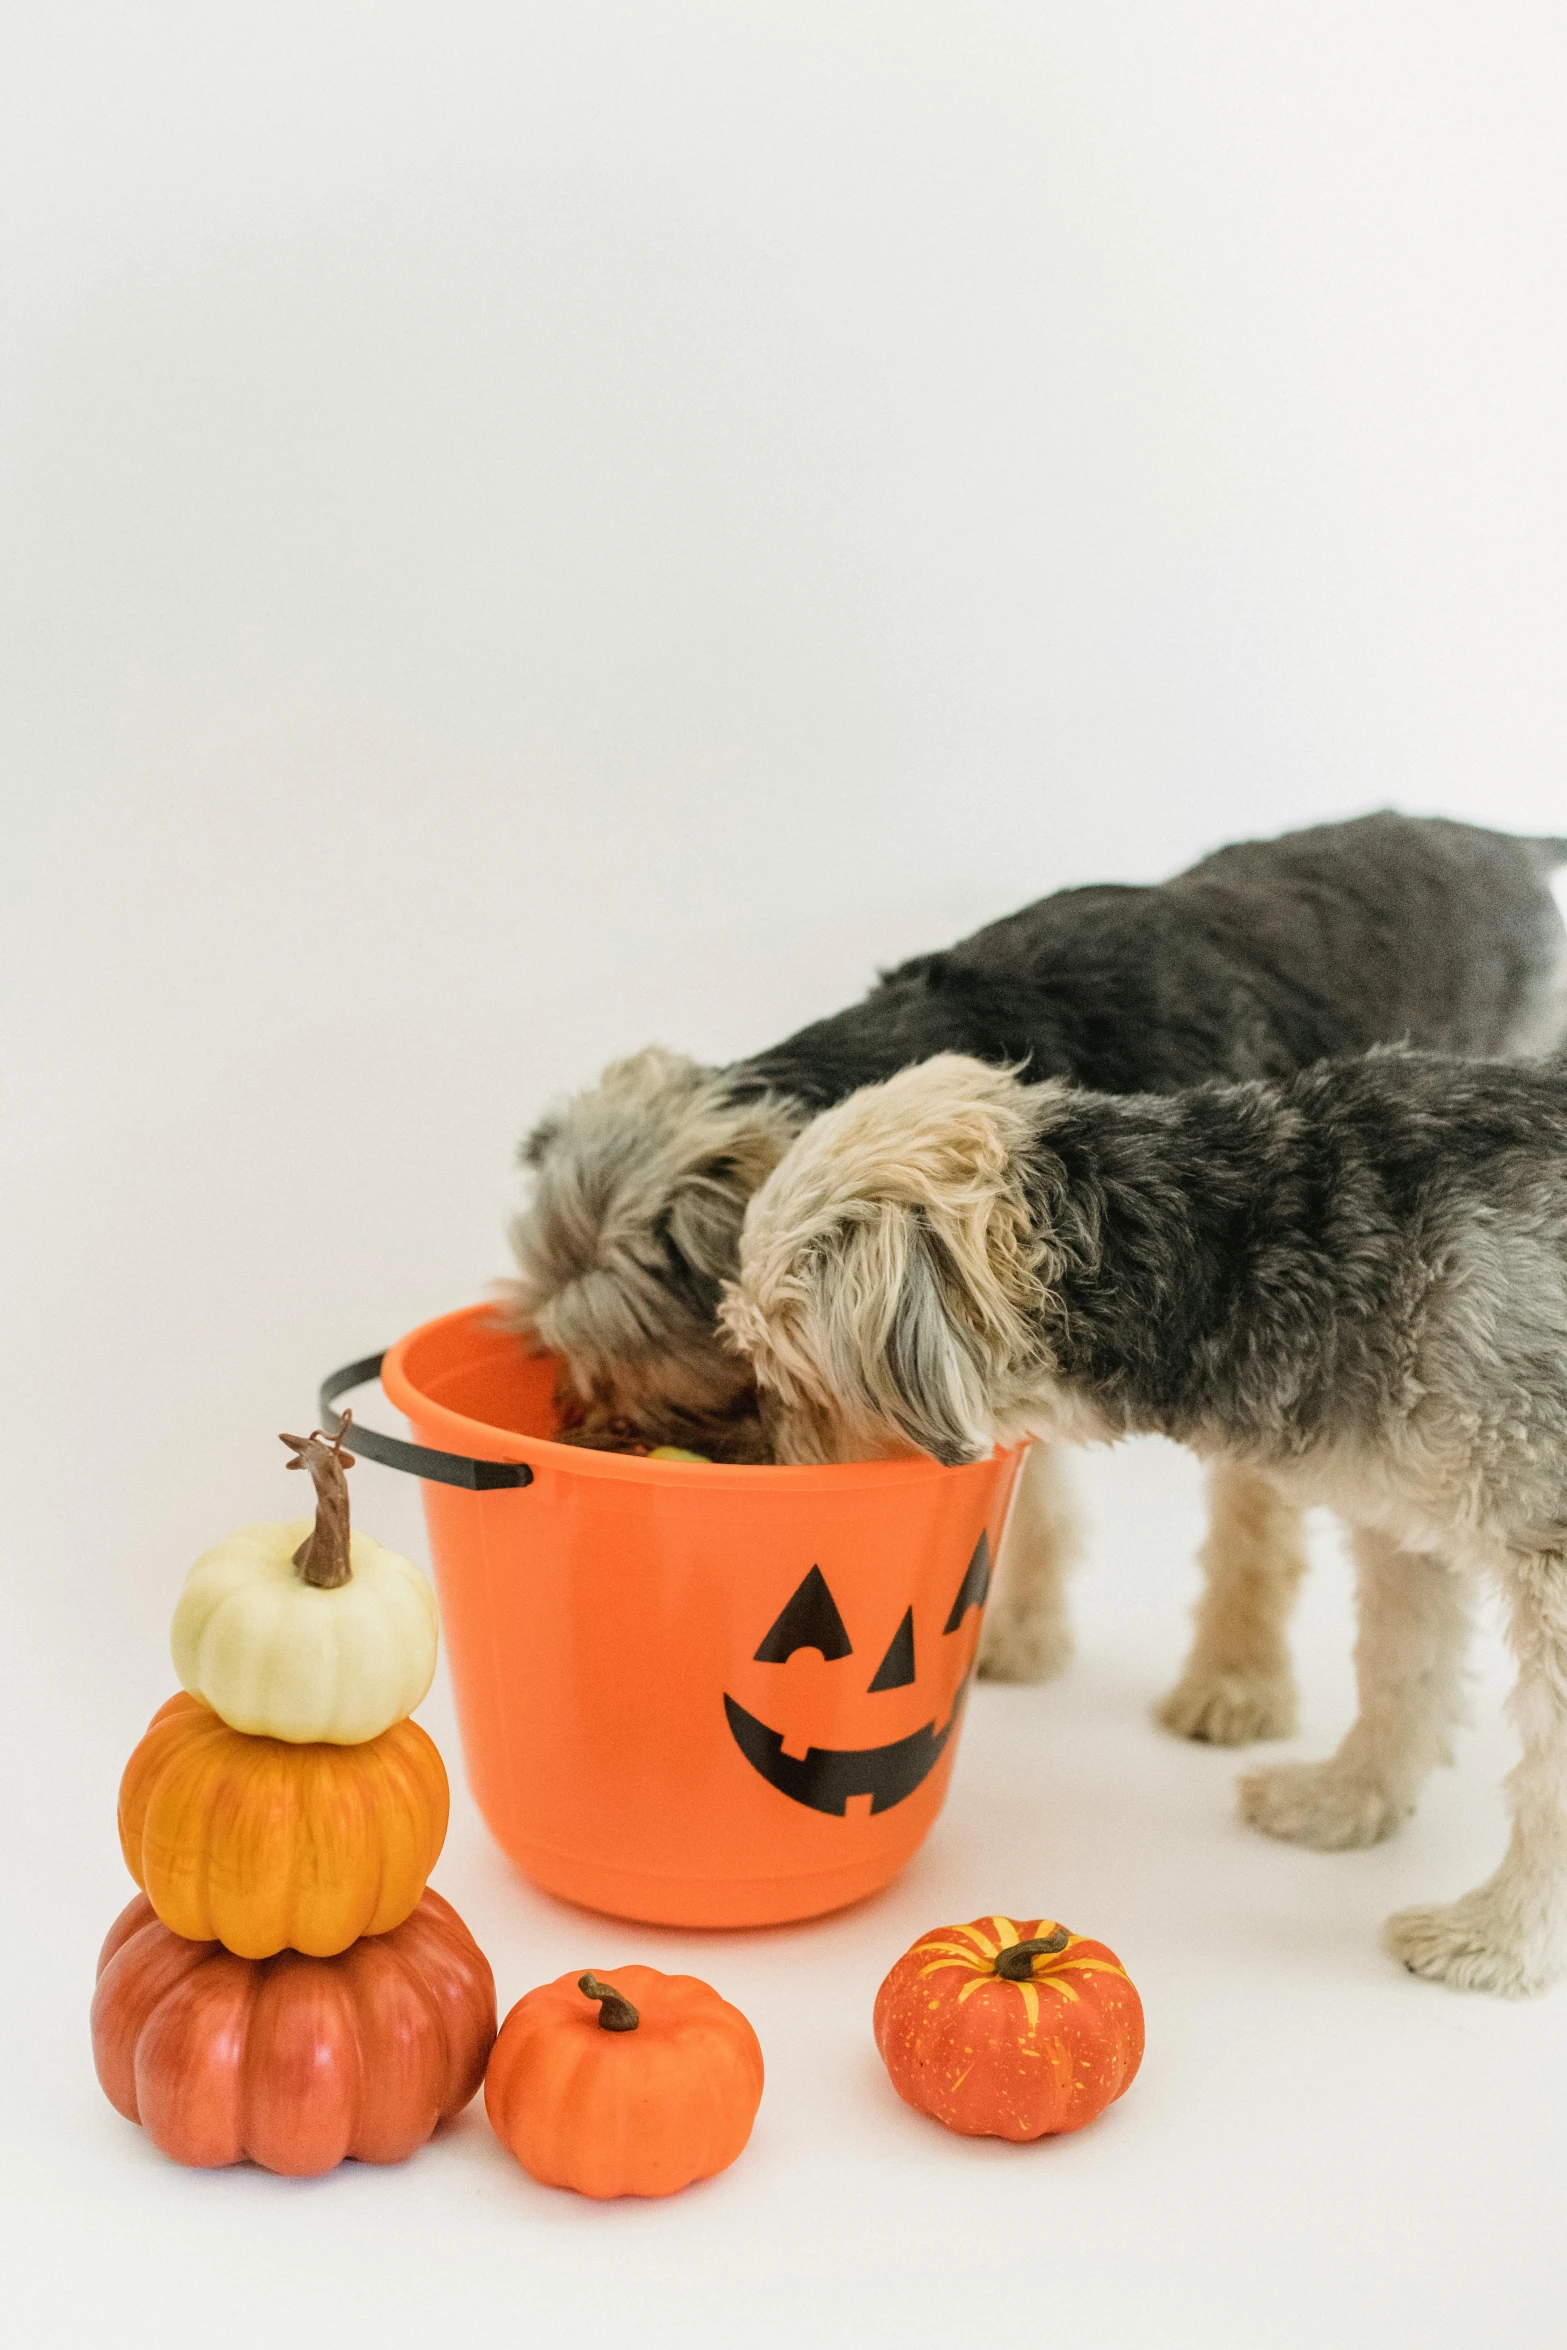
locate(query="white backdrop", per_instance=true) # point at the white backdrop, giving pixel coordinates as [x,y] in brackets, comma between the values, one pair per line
[526,529]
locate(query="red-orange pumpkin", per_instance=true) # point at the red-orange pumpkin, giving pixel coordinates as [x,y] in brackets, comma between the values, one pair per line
[631,2085]
[1009,2029]
[292,2062]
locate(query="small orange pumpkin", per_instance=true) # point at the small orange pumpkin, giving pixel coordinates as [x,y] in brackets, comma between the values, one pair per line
[264,1845]
[634,2085]
[1008,2029]
[292,2062]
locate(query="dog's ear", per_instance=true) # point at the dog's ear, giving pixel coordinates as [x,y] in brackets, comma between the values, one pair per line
[931,1385]
[896,1340]
[701,1224]
[862,1330]
[889,1267]
[536,1146]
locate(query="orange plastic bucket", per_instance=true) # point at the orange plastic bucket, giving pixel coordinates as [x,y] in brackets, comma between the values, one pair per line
[693,1694]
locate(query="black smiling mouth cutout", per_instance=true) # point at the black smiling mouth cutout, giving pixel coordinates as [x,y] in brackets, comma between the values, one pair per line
[825,1777]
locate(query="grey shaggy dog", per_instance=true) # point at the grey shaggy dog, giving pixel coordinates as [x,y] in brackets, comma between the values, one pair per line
[1352,1284]
[1259,960]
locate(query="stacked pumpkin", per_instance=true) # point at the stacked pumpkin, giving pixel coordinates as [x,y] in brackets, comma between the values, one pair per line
[286,1989]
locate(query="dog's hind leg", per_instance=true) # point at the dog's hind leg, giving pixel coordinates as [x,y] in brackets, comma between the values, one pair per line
[1027,1635]
[1510,1934]
[1414,1625]
[1237,1684]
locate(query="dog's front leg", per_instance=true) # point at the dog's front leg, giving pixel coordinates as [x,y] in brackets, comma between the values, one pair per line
[1237,1684]
[1027,1635]
[1510,1934]
[1414,1623]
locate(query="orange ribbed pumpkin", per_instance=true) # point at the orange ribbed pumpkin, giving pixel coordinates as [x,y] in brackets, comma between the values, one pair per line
[264,1845]
[1009,2029]
[634,2084]
[292,2062]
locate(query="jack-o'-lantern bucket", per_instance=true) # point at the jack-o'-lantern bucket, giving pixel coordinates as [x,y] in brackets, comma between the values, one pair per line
[690,1693]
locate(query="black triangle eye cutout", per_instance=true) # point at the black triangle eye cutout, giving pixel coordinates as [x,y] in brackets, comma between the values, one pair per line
[810,1620]
[975,1586]
[896,1670]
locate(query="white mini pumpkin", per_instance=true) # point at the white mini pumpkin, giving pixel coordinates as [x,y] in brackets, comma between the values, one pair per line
[281,1655]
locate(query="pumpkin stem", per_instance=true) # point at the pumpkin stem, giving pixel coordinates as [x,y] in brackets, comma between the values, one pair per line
[322,1558]
[1017,1964]
[616,2013]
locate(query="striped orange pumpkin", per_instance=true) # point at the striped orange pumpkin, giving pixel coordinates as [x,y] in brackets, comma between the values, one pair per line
[1008,2028]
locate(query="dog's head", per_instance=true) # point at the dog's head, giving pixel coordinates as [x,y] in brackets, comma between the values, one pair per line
[893,1284]
[639,1188]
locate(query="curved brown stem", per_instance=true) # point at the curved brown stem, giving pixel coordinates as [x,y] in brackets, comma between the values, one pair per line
[322,1558]
[616,2013]
[1017,1964]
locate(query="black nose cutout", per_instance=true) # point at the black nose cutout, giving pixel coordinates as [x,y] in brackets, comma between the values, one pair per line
[810,1620]
[896,1670]
[975,1586]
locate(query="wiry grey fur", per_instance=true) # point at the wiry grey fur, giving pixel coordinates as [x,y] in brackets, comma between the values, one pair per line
[1353,1282]
[1259,960]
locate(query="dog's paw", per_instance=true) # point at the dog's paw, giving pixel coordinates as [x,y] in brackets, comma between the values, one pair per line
[1020,1648]
[1469,1947]
[1319,1804]
[1229,1709]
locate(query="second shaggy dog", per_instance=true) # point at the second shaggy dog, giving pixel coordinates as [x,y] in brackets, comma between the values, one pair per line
[1353,1283]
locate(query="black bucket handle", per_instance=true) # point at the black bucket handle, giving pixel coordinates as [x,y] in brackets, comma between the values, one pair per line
[415,1460]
